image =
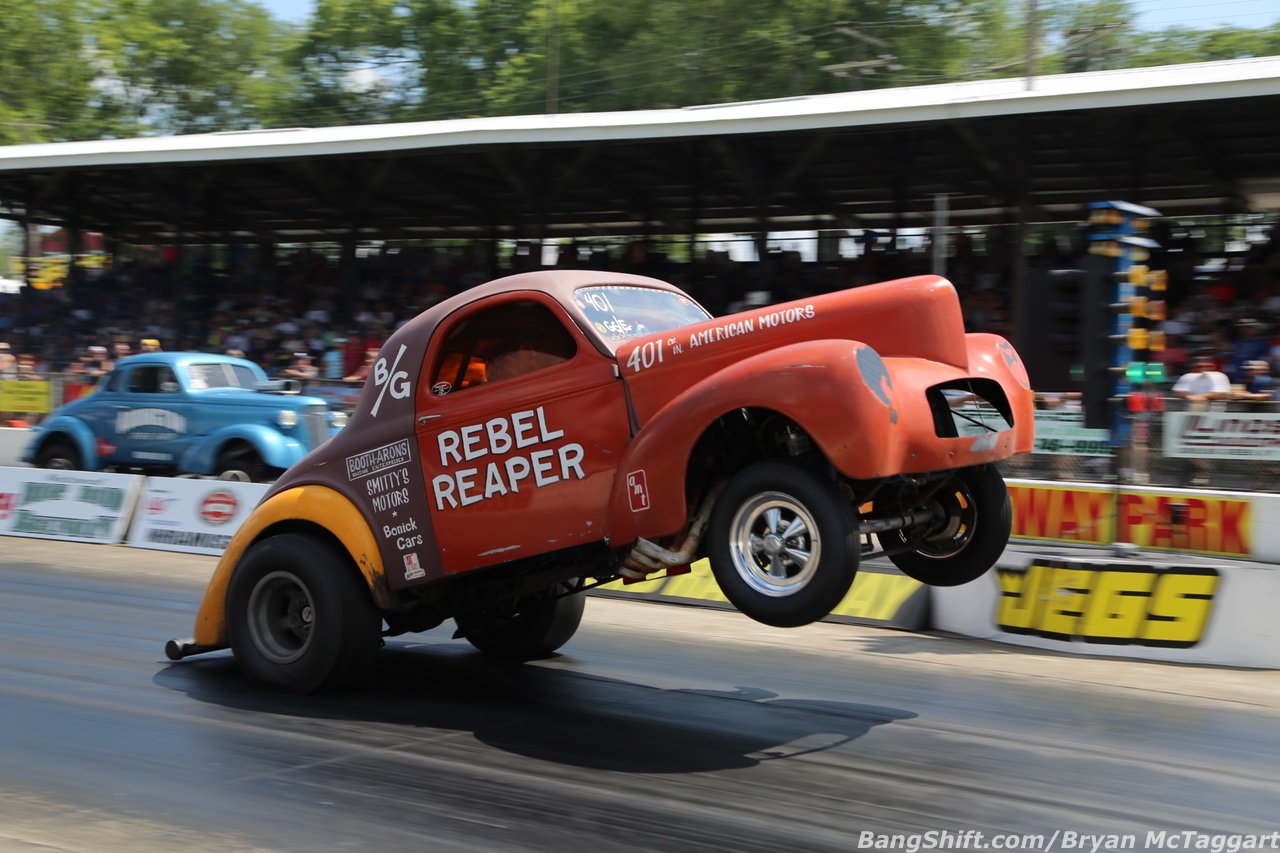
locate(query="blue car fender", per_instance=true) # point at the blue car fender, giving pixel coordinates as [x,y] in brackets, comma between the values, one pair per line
[68,428]
[274,447]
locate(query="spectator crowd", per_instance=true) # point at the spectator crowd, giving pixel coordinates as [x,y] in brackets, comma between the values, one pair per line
[304,314]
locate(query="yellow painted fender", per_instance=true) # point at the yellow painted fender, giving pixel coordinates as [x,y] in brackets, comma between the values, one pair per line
[317,505]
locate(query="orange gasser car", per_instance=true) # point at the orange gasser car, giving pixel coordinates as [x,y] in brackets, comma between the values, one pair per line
[524,441]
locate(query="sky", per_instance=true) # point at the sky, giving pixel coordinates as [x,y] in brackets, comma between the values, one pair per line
[1153,14]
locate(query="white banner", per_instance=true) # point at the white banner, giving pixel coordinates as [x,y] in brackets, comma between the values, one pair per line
[75,506]
[192,516]
[1222,435]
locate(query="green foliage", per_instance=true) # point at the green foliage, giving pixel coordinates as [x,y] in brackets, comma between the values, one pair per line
[77,69]
[46,82]
[183,66]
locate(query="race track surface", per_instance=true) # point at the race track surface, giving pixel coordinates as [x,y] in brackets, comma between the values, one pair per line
[657,728]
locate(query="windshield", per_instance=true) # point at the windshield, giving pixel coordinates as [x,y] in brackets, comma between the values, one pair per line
[619,312]
[220,375]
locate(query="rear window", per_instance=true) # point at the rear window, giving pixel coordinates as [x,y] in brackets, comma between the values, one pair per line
[619,313]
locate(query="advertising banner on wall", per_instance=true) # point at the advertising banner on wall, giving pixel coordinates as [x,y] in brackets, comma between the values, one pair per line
[75,506]
[27,397]
[1222,435]
[192,516]
[1228,524]
[1190,612]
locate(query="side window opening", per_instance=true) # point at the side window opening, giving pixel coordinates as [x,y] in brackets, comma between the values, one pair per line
[151,379]
[502,342]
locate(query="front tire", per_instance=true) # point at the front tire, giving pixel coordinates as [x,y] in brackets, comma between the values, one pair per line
[246,468]
[978,521]
[537,627]
[59,455]
[783,544]
[299,616]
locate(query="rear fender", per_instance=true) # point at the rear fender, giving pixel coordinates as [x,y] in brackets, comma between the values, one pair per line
[71,429]
[853,426]
[315,505]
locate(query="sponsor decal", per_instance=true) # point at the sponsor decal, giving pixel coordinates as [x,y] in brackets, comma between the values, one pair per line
[638,491]
[391,455]
[441,388]
[389,490]
[161,420]
[217,508]
[7,502]
[543,463]
[654,352]
[413,567]
[104,448]
[384,379]
[406,534]
[1107,604]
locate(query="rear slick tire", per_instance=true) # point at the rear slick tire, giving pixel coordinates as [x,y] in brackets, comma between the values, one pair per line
[299,616]
[539,626]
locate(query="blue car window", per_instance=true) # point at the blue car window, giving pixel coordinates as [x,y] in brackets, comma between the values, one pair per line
[151,379]
[219,375]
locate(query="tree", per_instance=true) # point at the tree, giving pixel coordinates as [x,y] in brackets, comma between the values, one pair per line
[47,71]
[183,66]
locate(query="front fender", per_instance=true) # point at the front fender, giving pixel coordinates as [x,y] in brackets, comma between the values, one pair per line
[839,391]
[274,447]
[316,505]
[71,428]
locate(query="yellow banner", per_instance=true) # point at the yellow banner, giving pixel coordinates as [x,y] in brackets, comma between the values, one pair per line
[32,397]
[1206,524]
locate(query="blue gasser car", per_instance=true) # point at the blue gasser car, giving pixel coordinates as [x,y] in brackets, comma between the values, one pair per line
[185,413]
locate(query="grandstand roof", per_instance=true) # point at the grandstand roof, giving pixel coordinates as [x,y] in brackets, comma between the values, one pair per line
[1196,138]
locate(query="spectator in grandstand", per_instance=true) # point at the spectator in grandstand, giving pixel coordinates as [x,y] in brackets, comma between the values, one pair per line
[302,368]
[1257,382]
[331,361]
[95,362]
[361,373]
[27,367]
[8,363]
[1204,386]
[1250,345]
[150,345]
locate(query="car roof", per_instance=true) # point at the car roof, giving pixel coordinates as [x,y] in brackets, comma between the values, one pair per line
[183,359]
[557,283]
